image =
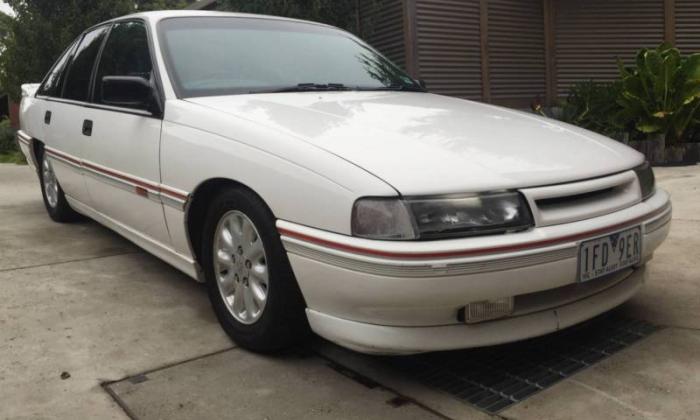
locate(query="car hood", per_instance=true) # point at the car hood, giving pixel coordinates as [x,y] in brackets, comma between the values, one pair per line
[422,143]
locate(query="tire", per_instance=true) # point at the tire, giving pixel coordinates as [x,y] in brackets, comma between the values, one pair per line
[54,199]
[236,276]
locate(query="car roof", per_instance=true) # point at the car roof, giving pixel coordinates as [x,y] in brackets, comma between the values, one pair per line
[157,16]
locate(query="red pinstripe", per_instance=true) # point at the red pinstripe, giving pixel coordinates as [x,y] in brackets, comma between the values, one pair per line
[137,182]
[468,252]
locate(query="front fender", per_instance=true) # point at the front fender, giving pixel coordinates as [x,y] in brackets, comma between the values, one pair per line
[298,181]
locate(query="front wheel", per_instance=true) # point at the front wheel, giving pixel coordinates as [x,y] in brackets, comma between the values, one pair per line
[251,285]
[54,199]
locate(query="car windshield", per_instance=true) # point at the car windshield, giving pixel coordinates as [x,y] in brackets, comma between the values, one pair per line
[209,56]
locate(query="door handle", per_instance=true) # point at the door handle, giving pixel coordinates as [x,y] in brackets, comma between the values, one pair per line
[47,117]
[87,127]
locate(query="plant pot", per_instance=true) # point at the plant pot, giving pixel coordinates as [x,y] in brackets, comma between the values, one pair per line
[683,154]
[675,155]
[645,147]
[692,153]
[653,149]
[657,151]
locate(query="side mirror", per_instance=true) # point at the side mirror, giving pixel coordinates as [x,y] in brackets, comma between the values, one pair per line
[422,84]
[131,92]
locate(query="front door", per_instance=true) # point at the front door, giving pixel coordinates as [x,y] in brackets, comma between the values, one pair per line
[122,148]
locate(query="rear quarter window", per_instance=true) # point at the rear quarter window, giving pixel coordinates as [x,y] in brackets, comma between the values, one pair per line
[53,82]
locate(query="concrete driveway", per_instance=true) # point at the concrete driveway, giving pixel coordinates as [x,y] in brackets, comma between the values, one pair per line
[93,327]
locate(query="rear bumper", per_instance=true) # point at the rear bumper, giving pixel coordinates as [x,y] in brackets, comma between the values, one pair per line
[392,297]
[26,146]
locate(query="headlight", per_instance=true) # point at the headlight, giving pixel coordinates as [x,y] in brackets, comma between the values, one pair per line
[647,182]
[437,218]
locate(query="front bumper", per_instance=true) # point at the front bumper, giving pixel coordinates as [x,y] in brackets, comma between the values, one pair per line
[381,339]
[404,297]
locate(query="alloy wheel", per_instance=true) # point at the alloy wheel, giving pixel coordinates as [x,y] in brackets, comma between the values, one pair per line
[240,267]
[50,183]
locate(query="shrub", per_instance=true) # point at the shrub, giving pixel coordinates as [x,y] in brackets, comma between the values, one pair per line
[660,93]
[593,105]
[7,137]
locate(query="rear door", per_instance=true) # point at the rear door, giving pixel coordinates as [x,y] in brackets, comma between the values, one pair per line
[35,118]
[122,149]
[67,93]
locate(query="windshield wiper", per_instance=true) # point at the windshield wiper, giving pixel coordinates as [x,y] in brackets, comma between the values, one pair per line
[399,87]
[307,87]
[330,87]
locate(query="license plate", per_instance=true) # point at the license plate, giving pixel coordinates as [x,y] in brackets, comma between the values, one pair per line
[607,254]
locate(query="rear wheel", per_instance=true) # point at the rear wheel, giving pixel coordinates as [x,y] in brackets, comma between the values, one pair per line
[251,285]
[54,199]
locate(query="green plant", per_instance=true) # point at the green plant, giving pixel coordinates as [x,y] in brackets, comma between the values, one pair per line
[593,105]
[15,157]
[9,153]
[660,93]
[7,137]
[33,39]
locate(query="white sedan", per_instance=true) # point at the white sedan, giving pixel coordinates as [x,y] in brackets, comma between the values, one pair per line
[314,186]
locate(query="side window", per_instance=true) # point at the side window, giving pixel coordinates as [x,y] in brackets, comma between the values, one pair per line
[54,80]
[125,54]
[77,84]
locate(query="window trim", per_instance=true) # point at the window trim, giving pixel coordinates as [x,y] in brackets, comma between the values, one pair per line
[123,110]
[90,103]
[96,64]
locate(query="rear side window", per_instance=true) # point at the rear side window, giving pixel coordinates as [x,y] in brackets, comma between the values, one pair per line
[125,53]
[77,84]
[54,80]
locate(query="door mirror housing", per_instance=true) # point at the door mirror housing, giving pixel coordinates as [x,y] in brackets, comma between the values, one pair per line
[130,92]
[422,84]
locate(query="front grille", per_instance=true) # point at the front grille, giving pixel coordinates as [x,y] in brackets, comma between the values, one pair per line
[543,300]
[565,203]
[560,296]
[576,199]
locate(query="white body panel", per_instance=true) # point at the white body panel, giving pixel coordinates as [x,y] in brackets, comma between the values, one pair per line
[31,111]
[311,155]
[64,134]
[126,144]
[412,139]
[298,181]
